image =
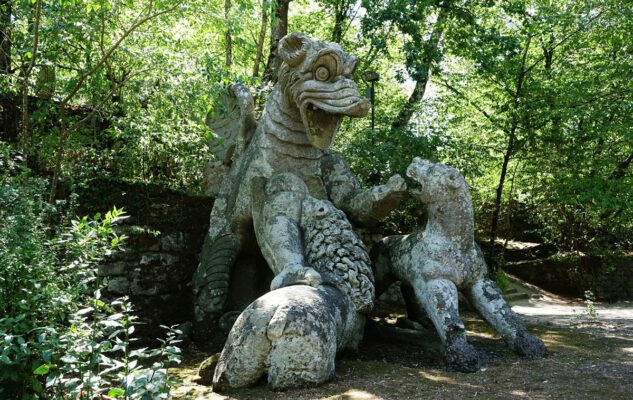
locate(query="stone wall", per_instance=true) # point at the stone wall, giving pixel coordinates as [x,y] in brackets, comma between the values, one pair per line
[609,279]
[165,231]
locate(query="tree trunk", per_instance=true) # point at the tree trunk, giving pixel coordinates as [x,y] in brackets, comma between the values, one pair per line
[510,150]
[227,35]
[499,197]
[550,97]
[5,40]
[278,29]
[261,39]
[8,109]
[25,84]
[423,76]
[341,9]
[64,133]
[620,169]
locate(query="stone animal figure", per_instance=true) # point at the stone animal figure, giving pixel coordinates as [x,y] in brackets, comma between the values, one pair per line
[293,334]
[302,114]
[444,258]
[334,250]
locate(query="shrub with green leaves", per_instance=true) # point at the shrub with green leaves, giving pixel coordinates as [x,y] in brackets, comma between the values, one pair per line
[58,338]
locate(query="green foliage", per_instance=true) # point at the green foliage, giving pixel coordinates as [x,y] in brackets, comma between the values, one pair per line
[590,308]
[542,88]
[58,337]
[564,132]
[589,314]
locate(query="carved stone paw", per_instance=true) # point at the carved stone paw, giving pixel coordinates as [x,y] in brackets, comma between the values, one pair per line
[529,346]
[289,334]
[395,189]
[296,275]
[462,356]
[397,184]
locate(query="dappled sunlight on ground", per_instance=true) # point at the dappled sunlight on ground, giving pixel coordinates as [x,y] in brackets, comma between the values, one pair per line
[354,394]
[627,350]
[437,376]
[589,359]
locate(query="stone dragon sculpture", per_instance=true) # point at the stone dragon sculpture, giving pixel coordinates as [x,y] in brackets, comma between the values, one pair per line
[334,250]
[444,258]
[286,197]
[303,112]
[292,334]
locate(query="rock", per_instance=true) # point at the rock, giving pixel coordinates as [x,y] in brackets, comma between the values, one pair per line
[112,269]
[292,335]
[173,243]
[119,286]
[227,321]
[159,259]
[207,369]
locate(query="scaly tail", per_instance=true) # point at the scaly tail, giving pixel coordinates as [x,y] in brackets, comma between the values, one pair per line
[211,279]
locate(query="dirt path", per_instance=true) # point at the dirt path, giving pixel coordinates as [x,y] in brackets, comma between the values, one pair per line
[590,358]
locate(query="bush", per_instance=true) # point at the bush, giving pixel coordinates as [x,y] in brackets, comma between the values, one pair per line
[58,339]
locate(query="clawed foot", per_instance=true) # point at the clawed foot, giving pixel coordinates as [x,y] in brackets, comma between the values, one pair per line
[529,346]
[296,275]
[462,357]
[288,335]
[395,188]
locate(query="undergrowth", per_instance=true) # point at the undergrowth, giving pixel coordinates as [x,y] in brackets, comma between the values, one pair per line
[58,338]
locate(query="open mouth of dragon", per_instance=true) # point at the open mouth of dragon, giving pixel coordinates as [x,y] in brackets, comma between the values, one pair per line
[323,106]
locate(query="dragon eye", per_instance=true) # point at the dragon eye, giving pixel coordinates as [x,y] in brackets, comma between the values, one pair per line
[322,73]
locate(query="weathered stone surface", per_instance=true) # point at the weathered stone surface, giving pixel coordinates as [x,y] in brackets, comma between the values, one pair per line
[173,242]
[327,255]
[442,259]
[315,91]
[336,252]
[207,369]
[291,334]
[161,259]
[167,238]
[292,193]
[119,286]
[113,269]
[572,275]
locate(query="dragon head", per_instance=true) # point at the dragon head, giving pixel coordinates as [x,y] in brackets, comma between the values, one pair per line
[316,78]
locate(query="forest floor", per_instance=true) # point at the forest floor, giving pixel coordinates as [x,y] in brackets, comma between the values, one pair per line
[590,358]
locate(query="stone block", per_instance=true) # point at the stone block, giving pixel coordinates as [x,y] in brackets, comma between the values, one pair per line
[144,288]
[119,286]
[113,269]
[173,242]
[149,259]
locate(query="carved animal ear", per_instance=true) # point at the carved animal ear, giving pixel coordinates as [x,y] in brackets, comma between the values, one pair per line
[293,48]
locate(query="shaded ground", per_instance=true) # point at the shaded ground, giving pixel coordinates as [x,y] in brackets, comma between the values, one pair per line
[590,358]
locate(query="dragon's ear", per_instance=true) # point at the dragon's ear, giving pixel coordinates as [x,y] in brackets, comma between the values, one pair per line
[293,48]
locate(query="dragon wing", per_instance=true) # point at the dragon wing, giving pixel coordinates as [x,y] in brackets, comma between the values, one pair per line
[233,123]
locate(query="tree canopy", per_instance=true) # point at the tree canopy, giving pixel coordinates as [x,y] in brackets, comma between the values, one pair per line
[530,99]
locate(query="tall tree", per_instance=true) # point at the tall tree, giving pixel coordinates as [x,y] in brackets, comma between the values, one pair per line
[149,13]
[525,88]
[26,74]
[420,67]
[227,35]
[422,25]
[5,39]
[341,11]
[8,110]
[278,29]
[261,38]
